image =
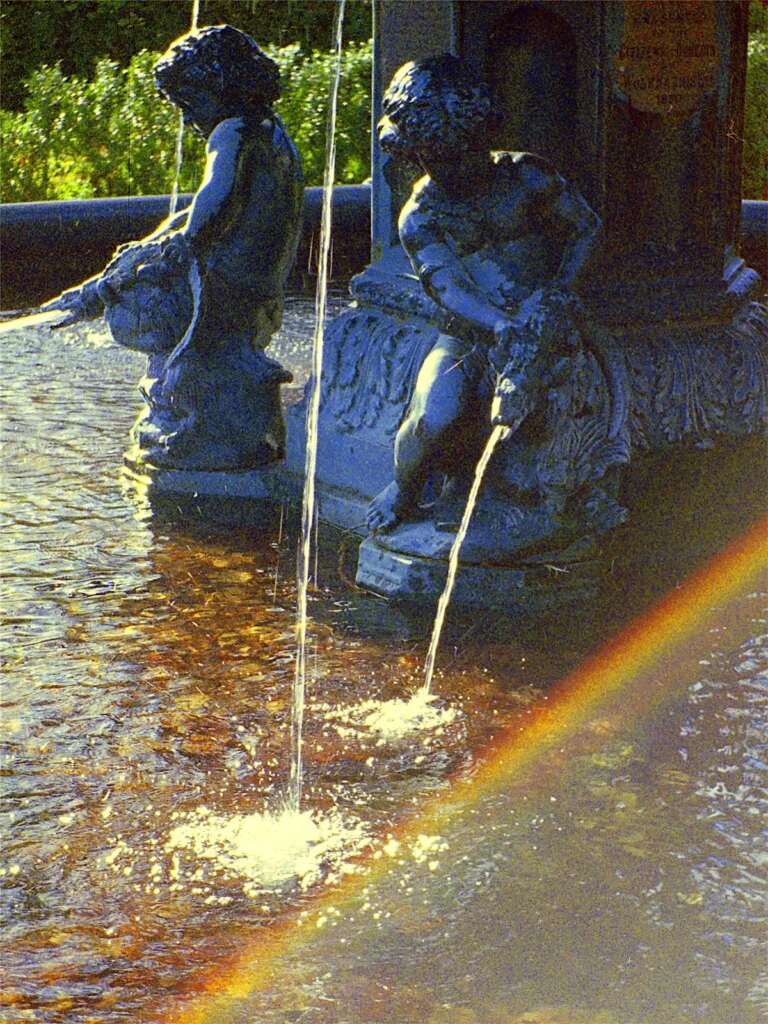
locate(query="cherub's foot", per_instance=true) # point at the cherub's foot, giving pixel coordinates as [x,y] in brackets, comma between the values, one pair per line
[387,508]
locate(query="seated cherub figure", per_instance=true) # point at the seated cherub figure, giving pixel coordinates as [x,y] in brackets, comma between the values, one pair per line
[203,294]
[493,237]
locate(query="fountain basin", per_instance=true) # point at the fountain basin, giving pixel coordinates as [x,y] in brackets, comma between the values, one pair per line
[51,246]
[149,670]
[574,840]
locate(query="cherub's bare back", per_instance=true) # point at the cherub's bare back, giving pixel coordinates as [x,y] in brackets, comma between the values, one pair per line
[251,243]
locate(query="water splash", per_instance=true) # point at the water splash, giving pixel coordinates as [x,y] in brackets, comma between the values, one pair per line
[270,851]
[313,415]
[392,720]
[499,433]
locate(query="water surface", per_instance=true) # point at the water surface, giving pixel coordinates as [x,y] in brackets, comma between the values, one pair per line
[148,667]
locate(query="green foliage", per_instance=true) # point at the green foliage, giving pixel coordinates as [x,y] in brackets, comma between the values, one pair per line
[112,135]
[754,168]
[79,33]
[758,16]
[80,139]
[304,108]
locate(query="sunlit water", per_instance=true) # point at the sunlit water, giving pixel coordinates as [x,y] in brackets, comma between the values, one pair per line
[146,734]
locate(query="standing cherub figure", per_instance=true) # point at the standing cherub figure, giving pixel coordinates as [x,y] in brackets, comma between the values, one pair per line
[498,240]
[203,294]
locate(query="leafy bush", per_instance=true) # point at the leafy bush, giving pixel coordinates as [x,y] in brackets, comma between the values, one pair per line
[754,167]
[81,139]
[112,135]
[81,32]
[304,108]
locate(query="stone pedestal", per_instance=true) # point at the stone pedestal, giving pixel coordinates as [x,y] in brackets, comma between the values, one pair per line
[639,105]
[536,586]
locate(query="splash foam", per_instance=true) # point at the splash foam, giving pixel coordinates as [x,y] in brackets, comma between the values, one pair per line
[392,720]
[271,851]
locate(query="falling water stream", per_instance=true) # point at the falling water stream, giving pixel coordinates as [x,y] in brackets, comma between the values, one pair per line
[313,409]
[396,719]
[179,152]
[313,414]
[271,847]
[178,157]
[499,433]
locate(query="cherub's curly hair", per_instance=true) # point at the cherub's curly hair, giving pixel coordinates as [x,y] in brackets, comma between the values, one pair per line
[223,58]
[437,104]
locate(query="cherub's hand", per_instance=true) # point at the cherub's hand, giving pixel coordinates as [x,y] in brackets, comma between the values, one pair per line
[508,407]
[67,300]
[176,247]
[554,311]
[81,303]
[120,273]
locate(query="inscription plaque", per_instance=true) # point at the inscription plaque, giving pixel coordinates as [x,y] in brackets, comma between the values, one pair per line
[667,61]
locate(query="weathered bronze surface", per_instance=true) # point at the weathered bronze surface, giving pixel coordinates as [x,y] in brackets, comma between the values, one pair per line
[203,294]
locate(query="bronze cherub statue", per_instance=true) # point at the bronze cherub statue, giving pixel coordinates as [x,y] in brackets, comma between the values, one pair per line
[203,294]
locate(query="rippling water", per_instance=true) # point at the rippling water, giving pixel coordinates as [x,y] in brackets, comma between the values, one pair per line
[148,668]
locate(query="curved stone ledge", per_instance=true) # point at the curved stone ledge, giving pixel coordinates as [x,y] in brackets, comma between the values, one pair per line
[48,247]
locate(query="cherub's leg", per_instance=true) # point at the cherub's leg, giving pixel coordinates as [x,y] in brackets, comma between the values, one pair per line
[440,399]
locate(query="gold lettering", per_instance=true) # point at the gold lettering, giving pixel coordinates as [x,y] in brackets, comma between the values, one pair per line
[668,56]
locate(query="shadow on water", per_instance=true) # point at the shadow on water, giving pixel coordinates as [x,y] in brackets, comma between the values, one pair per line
[664,542]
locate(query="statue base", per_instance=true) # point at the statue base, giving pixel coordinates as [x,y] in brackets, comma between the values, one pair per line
[548,508]
[253,498]
[537,585]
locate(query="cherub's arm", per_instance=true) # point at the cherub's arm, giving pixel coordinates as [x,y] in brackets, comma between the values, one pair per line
[443,275]
[217,186]
[211,199]
[86,301]
[585,228]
